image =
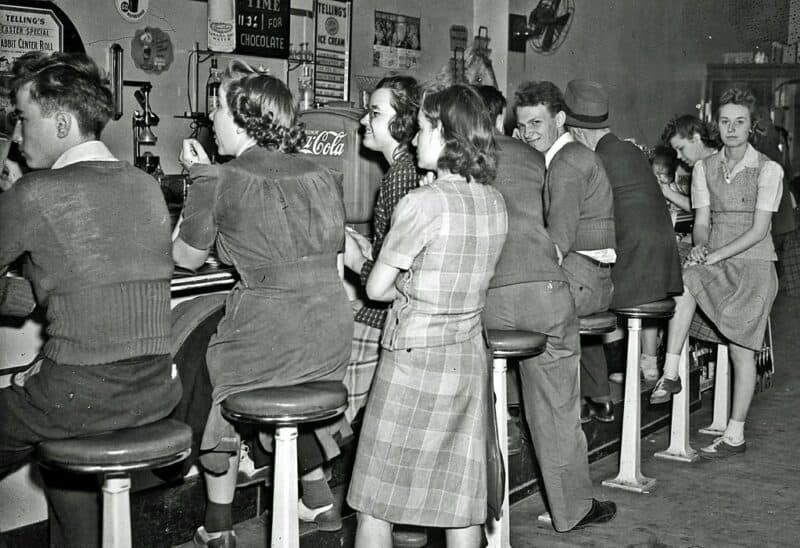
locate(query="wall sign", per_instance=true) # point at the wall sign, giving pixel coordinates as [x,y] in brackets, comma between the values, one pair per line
[28,29]
[132,10]
[262,28]
[151,50]
[397,41]
[332,51]
[29,25]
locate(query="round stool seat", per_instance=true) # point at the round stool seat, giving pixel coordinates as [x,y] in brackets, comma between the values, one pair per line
[309,402]
[514,343]
[598,323]
[150,446]
[654,310]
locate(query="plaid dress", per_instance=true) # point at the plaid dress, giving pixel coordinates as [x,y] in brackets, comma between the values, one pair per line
[421,457]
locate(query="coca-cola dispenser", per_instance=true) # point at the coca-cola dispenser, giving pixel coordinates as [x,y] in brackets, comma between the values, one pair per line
[334,138]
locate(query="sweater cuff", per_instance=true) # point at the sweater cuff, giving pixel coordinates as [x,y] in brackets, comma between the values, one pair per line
[16,297]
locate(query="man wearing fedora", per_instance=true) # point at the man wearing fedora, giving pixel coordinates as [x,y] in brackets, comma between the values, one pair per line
[579,215]
[648,267]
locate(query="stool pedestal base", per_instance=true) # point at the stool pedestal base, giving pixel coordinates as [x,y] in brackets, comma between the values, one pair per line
[636,484]
[285,527]
[679,448]
[722,394]
[498,531]
[116,512]
[630,477]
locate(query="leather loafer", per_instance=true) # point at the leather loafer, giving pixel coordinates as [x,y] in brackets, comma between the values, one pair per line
[223,539]
[600,512]
[664,389]
[601,411]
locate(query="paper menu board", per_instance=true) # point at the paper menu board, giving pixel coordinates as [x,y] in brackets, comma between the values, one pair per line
[332,50]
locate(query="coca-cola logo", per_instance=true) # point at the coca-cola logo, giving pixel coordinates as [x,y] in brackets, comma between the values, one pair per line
[324,143]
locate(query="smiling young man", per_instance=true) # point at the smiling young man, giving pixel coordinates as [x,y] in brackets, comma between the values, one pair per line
[93,233]
[579,216]
[527,280]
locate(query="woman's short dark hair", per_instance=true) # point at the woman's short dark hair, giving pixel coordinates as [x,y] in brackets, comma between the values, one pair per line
[65,81]
[530,94]
[666,156]
[743,97]
[405,102]
[263,106]
[685,127]
[467,130]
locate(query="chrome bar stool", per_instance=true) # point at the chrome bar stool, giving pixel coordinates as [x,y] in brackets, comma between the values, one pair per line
[599,323]
[630,476]
[505,345]
[283,409]
[115,455]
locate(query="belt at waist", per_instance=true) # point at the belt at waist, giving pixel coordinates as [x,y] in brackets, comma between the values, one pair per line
[309,270]
[595,262]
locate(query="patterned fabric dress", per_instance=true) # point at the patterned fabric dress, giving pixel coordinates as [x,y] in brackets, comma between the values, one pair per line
[421,457]
[736,294]
[401,178]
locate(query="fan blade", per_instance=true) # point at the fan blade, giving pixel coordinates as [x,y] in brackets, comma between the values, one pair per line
[550,36]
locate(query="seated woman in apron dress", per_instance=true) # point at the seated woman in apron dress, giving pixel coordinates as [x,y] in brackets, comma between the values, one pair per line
[278,218]
[421,457]
[730,271]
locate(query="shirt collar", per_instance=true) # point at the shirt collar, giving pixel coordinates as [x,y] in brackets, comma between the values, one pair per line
[749,160]
[558,145]
[89,151]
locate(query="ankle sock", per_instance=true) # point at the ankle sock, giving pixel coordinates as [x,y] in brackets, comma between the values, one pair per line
[734,433]
[218,517]
[671,366]
[316,493]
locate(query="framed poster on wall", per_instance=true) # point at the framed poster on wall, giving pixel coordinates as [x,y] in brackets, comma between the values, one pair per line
[332,50]
[30,25]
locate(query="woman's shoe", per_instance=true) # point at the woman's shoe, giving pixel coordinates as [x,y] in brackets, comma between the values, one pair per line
[222,539]
[721,449]
[664,389]
[326,517]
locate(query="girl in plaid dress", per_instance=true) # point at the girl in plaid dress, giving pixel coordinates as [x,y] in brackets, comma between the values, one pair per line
[421,457]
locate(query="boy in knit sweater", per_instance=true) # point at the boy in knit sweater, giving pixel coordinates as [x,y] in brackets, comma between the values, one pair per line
[93,234]
[579,217]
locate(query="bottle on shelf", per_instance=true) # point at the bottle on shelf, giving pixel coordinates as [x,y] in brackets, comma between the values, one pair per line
[212,87]
[306,89]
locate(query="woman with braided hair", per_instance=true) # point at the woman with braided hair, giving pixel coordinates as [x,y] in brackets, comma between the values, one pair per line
[278,218]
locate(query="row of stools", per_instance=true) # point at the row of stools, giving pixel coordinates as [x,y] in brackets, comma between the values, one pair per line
[521,345]
[116,454]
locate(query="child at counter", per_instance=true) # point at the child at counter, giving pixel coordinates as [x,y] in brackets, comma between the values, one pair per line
[730,271]
[421,456]
[278,218]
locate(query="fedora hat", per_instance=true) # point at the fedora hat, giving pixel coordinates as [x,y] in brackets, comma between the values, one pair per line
[586,104]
